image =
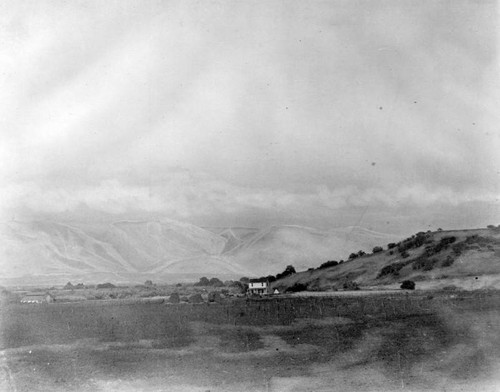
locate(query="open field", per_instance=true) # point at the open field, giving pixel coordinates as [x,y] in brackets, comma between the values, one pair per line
[418,341]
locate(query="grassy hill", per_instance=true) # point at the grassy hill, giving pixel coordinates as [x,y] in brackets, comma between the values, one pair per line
[467,259]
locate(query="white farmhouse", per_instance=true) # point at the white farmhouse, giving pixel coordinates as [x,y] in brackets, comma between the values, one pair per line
[258,287]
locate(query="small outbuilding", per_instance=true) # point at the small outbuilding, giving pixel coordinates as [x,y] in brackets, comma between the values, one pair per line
[38,298]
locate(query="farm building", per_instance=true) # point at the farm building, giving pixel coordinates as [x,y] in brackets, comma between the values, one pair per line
[37,298]
[258,287]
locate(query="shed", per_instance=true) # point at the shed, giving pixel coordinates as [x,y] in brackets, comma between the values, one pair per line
[37,298]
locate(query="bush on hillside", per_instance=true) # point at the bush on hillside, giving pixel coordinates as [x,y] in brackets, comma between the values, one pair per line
[391,245]
[448,262]
[350,285]
[424,264]
[296,288]
[408,285]
[331,263]
[289,270]
[391,269]
[377,249]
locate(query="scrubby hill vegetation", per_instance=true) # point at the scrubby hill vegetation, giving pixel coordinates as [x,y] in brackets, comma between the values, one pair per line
[443,258]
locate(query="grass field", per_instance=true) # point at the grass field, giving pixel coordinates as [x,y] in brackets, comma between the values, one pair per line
[415,342]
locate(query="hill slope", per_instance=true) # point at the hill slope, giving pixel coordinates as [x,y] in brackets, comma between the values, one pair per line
[464,258]
[167,249]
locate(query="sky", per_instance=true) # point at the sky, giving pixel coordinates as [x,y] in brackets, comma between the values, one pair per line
[252,113]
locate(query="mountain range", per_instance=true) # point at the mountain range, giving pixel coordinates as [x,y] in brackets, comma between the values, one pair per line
[166,250]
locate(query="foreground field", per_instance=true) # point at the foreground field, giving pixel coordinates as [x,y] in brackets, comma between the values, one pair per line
[415,342]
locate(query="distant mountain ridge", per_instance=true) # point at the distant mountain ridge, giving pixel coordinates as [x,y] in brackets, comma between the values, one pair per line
[167,248]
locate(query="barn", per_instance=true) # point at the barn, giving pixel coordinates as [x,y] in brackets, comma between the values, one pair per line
[37,298]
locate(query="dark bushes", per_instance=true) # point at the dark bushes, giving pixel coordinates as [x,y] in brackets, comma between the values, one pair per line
[449,261]
[331,263]
[424,264]
[350,285]
[377,249]
[408,285]
[296,288]
[391,269]
[174,298]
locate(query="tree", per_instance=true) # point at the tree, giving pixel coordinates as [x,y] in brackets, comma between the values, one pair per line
[244,279]
[391,245]
[148,283]
[378,249]
[290,269]
[203,282]
[69,286]
[215,282]
[408,285]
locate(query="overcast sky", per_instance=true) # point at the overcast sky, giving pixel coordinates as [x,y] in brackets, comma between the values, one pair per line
[383,114]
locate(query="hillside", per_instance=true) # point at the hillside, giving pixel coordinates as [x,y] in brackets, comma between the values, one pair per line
[463,258]
[168,250]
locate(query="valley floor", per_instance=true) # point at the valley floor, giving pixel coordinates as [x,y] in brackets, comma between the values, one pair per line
[415,342]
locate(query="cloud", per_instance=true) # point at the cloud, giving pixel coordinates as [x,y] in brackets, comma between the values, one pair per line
[291,111]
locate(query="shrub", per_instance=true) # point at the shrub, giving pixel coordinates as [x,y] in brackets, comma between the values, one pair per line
[424,264]
[214,296]
[350,285]
[449,261]
[296,288]
[408,285]
[352,256]
[378,249]
[405,254]
[391,269]
[391,245]
[195,299]
[289,270]
[331,263]
[174,298]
